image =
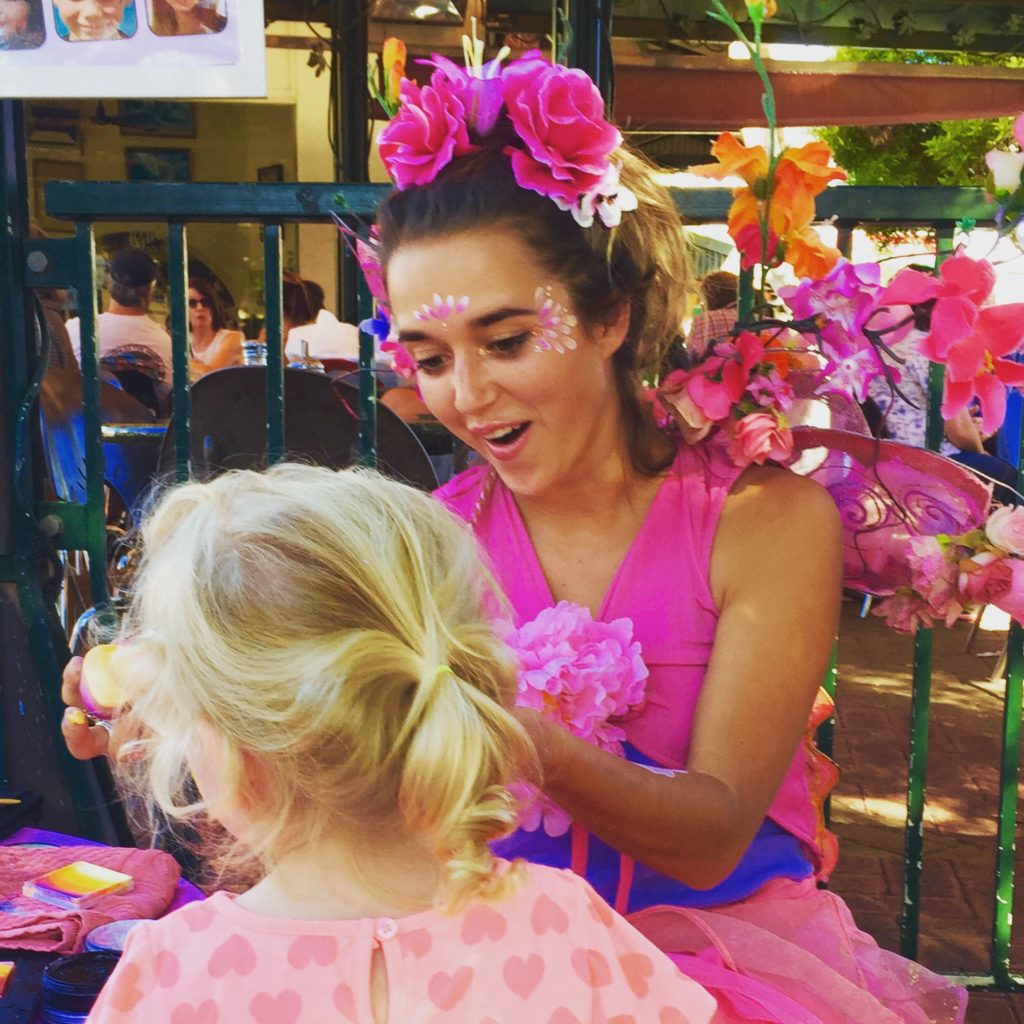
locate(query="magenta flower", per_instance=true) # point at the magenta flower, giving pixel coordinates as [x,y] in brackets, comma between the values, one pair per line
[769,390]
[963,285]
[846,298]
[558,114]
[426,133]
[480,95]
[853,375]
[933,574]
[975,367]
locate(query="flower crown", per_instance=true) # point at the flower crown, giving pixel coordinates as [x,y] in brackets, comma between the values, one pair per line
[557,114]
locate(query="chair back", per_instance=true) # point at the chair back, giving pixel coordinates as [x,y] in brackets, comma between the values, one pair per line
[229,427]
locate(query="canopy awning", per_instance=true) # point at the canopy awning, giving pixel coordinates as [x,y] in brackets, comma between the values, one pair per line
[677,93]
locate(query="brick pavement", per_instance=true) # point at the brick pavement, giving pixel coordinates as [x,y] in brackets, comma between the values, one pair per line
[868,808]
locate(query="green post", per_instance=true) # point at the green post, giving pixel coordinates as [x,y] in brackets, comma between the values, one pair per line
[275,342]
[177,279]
[920,701]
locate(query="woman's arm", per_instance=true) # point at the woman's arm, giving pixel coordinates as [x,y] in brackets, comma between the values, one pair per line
[776,577]
[963,432]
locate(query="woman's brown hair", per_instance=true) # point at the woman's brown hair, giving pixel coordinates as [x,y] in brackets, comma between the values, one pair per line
[642,262]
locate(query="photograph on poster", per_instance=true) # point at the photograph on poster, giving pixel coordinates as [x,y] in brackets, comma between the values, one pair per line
[164,118]
[158,164]
[21,24]
[174,50]
[186,17]
[44,170]
[93,20]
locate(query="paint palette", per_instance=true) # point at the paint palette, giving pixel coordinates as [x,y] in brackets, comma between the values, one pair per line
[78,885]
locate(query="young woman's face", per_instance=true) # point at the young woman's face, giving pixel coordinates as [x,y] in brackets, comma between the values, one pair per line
[13,17]
[199,315]
[488,362]
[91,19]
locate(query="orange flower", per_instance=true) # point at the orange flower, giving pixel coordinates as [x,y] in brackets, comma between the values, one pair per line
[809,255]
[807,168]
[392,58]
[769,7]
[748,162]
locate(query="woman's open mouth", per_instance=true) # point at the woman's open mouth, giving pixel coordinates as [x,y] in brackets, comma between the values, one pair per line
[507,441]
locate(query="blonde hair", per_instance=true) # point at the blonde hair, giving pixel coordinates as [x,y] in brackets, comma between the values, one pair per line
[332,626]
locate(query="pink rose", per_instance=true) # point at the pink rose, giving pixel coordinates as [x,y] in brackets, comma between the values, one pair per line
[1005,529]
[1012,602]
[675,399]
[759,437]
[558,113]
[426,133]
[984,578]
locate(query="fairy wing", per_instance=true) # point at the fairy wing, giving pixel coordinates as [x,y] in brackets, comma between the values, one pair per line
[888,493]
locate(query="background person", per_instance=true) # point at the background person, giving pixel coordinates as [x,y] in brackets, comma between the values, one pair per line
[357,745]
[213,344]
[91,20]
[125,328]
[709,833]
[719,312]
[186,17]
[21,24]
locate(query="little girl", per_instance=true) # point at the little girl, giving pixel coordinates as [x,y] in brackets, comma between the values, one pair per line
[311,647]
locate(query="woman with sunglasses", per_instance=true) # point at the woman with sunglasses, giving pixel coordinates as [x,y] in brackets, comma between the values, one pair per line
[212,345]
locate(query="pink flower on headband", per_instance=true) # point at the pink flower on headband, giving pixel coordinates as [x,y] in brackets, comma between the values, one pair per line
[426,133]
[558,113]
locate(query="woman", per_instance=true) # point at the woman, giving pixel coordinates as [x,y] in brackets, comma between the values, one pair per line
[213,345]
[529,323]
[185,17]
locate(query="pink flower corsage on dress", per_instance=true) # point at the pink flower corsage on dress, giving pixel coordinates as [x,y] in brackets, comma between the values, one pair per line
[581,674]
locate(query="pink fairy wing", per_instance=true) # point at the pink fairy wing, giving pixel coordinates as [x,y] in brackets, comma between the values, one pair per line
[887,494]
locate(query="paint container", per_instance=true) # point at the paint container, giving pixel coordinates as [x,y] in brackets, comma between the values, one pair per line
[72,983]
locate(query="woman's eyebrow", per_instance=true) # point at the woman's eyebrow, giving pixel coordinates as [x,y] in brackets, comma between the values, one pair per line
[503,313]
[484,320]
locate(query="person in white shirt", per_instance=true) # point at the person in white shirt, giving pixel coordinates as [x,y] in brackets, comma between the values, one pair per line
[125,329]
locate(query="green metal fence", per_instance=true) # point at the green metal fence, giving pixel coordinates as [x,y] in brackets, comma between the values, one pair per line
[60,263]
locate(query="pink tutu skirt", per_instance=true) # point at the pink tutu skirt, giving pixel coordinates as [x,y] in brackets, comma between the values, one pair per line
[791,954]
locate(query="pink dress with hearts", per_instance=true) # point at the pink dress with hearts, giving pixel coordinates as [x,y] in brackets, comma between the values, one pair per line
[550,952]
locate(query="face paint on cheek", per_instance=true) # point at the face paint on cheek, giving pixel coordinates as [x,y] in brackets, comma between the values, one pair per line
[556,324]
[441,309]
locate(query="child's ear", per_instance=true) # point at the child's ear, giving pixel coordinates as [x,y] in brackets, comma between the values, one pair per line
[220,777]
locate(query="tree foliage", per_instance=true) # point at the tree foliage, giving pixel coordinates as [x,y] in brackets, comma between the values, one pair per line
[932,153]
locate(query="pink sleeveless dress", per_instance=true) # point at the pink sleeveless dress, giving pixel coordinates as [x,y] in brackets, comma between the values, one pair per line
[769,943]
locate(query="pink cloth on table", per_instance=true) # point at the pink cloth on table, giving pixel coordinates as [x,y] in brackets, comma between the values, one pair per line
[549,952]
[27,923]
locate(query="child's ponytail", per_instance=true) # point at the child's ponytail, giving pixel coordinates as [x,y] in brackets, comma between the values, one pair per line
[454,787]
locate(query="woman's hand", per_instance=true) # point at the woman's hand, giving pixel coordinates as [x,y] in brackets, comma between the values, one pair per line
[83,741]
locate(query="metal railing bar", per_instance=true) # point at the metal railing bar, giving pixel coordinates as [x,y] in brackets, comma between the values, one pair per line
[310,201]
[177,277]
[96,527]
[274,300]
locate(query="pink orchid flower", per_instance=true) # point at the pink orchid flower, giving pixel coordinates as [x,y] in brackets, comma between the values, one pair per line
[962,286]
[975,367]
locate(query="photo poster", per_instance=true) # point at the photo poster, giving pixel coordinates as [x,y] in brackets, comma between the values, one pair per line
[185,49]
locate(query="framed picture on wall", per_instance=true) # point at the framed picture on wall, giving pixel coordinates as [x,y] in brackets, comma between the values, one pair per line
[164,118]
[272,172]
[153,164]
[45,170]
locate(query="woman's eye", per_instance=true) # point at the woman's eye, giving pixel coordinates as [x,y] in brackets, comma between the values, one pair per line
[430,364]
[509,346]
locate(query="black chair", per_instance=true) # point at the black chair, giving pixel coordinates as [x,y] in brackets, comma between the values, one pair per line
[229,416]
